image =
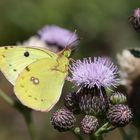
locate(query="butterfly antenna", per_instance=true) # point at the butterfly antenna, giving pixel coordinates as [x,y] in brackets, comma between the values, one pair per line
[70,45]
[68,42]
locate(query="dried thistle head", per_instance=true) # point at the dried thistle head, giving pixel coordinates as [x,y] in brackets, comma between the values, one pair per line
[129,61]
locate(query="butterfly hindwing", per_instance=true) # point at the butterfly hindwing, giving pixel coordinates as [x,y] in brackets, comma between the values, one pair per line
[39,86]
[13,59]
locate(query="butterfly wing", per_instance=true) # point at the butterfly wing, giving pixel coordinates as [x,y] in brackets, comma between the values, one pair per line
[40,85]
[14,59]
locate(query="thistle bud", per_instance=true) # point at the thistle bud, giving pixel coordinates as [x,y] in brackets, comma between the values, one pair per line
[71,101]
[93,101]
[119,115]
[63,120]
[118,98]
[89,124]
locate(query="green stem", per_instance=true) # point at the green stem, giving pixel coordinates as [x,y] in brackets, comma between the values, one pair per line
[7,99]
[29,123]
[103,129]
[93,137]
[76,132]
[26,112]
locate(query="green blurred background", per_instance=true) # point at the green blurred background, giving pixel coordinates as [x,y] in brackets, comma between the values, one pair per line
[102,26]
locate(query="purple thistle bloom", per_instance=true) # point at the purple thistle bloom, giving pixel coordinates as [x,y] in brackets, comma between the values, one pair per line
[99,72]
[135,19]
[58,36]
[137,13]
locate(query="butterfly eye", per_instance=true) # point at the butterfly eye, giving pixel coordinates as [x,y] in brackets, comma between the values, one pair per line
[26,54]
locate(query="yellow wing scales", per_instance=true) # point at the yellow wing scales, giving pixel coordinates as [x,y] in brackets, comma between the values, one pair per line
[40,85]
[13,59]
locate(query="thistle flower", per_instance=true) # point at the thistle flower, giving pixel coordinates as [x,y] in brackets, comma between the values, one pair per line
[63,120]
[135,19]
[118,98]
[100,72]
[71,101]
[93,101]
[54,35]
[119,115]
[89,124]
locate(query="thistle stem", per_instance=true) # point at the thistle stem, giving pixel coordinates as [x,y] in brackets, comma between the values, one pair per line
[104,129]
[93,137]
[26,113]
[98,134]
[7,99]
[29,123]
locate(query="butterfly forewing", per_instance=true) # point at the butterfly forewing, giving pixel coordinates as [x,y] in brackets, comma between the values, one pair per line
[13,59]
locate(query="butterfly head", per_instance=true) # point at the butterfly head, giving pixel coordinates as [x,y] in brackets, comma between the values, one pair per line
[69,49]
[67,52]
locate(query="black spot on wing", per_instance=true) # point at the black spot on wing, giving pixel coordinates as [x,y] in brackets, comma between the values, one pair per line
[26,54]
[35,98]
[27,68]
[14,70]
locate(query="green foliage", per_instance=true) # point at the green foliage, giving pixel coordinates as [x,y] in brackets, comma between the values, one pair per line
[103,26]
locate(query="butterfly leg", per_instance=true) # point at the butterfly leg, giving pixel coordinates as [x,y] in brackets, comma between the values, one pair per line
[72,60]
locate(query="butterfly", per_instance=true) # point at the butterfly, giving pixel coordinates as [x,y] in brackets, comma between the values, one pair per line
[37,75]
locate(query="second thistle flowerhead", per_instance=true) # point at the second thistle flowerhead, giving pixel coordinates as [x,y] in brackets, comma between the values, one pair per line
[54,35]
[135,19]
[100,72]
